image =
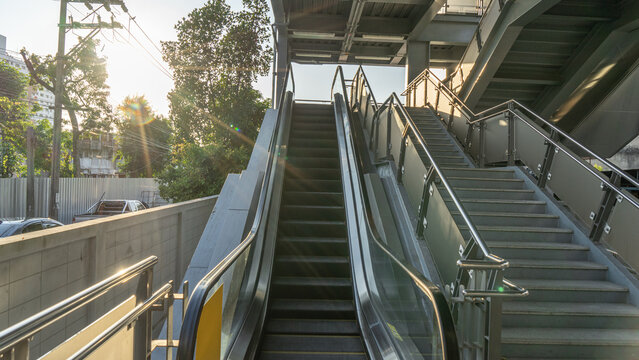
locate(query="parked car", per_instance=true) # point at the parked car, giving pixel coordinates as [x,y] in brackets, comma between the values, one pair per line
[104,208]
[23,226]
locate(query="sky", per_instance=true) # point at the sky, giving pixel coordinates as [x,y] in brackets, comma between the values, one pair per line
[32,24]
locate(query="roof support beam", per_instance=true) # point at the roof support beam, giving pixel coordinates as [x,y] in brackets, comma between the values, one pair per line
[417,59]
[351,28]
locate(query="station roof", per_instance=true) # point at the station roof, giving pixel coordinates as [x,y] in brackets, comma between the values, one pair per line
[373,32]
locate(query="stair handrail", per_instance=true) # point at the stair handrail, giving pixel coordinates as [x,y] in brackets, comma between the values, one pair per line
[510,107]
[28,327]
[188,332]
[443,313]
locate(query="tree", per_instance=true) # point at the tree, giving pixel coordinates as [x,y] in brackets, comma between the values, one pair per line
[214,109]
[14,112]
[144,138]
[85,92]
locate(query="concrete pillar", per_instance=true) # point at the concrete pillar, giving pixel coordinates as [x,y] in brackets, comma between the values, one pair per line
[417,58]
[281,61]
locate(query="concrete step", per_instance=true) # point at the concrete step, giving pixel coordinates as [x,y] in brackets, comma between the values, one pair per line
[538,250]
[572,290]
[508,219]
[494,194]
[485,183]
[570,315]
[480,173]
[555,269]
[512,206]
[572,343]
[522,233]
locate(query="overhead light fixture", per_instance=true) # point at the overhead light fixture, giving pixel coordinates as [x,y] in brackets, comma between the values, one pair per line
[313,35]
[383,37]
[315,55]
[380,58]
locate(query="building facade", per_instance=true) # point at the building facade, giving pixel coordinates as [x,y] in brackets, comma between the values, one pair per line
[35,94]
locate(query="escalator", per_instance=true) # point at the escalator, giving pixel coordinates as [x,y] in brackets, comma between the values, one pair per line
[312,313]
[317,276]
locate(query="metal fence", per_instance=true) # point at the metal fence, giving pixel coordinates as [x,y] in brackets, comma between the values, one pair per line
[76,194]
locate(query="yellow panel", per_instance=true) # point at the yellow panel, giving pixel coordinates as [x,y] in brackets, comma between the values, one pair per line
[209,331]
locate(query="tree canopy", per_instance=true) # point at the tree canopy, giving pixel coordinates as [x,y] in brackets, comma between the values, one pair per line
[214,110]
[15,110]
[144,138]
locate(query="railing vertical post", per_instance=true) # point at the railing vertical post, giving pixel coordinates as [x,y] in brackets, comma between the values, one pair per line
[402,153]
[608,201]
[368,99]
[439,91]
[185,297]
[388,127]
[469,136]
[492,343]
[426,88]
[423,207]
[415,95]
[511,134]
[170,299]
[451,117]
[548,158]
[142,330]
[482,144]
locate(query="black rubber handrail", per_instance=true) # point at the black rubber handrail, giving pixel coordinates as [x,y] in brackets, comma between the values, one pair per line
[446,325]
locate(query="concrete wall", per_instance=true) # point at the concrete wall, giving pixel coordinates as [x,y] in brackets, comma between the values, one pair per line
[41,268]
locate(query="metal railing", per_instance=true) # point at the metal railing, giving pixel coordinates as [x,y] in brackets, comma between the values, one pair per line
[15,339]
[463,7]
[539,145]
[210,281]
[476,255]
[353,169]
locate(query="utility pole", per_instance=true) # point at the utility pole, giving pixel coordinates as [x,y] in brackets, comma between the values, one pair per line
[58,90]
[54,190]
[31,144]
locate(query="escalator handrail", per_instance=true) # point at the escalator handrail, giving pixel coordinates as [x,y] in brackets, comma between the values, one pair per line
[188,332]
[510,106]
[443,314]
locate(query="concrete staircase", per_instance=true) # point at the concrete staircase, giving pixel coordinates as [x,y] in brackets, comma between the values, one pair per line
[573,310]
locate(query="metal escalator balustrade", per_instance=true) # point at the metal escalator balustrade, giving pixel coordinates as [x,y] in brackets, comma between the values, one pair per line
[580,304]
[401,311]
[227,330]
[473,274]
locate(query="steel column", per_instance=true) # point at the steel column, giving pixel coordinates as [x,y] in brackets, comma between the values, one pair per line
[511,134]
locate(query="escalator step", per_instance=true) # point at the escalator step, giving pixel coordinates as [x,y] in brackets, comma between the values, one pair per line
[314,134]
[312,288]
[302,212]
[313,343]
[312,246]
[313,309]
[323,198]
[314,266]
[311,326]
[312,228]
[281,355]
[313,173]
[313,185]
[310,151]
[314,162]
[328,143]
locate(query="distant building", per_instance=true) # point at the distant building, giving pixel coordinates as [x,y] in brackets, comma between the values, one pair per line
[42,97]
[97,156]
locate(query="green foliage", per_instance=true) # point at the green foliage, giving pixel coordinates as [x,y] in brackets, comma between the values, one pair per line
[207,167]
[215,112]
[145,138]
[14,113]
